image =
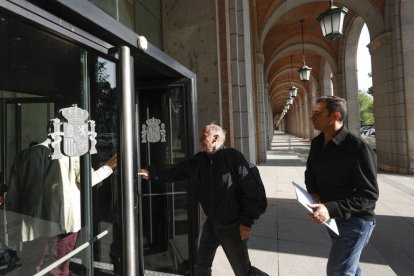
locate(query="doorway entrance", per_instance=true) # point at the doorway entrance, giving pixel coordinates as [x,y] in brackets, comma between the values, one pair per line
[46,68]
[167,219]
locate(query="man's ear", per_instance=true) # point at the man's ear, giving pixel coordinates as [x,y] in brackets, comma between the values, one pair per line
[337,116]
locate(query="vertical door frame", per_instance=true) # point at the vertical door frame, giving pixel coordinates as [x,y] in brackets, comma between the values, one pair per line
[131,265]
[187,85]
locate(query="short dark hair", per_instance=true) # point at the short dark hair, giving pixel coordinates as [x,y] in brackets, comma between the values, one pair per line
[334,104]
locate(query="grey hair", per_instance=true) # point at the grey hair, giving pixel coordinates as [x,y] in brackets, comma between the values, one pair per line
[213,128]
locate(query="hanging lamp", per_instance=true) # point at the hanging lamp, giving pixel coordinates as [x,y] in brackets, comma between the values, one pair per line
[293,90]
[332,21]
[304,71]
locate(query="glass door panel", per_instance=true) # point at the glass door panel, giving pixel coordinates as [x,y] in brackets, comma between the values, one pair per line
[25,125]
[165,217]
[40,73]
[106,201]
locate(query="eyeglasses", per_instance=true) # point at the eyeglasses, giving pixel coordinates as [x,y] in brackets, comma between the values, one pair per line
[316,113]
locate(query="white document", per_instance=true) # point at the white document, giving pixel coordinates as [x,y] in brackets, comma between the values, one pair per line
[305,198]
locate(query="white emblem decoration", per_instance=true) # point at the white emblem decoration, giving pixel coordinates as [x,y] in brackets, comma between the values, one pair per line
[152,132]
[76,133]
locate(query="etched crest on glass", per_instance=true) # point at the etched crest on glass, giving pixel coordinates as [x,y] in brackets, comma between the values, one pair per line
[75,133]
[153,131]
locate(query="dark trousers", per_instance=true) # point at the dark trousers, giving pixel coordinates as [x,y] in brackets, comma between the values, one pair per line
[228,236]
[39,253]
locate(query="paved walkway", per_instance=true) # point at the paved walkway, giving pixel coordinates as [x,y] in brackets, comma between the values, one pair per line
[286,242]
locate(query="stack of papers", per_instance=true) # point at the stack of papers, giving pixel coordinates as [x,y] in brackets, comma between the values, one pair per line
[305,199]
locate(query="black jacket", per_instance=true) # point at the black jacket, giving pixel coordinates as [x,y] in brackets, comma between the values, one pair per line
[36,191]
[222,182]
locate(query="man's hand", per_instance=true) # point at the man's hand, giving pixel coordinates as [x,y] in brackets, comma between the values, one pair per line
[112,162]
[144,174]
[245,232]
[320,213]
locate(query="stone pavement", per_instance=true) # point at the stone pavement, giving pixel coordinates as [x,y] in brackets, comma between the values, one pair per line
[286,242]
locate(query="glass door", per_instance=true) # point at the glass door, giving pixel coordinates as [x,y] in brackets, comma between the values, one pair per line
[165,216]
[43,204]
[21,121]
[21,128]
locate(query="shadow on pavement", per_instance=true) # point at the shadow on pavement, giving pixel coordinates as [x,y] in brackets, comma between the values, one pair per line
[286,228]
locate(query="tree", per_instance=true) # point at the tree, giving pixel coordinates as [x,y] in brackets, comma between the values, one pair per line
[366,108]
[370,91]
[106,103]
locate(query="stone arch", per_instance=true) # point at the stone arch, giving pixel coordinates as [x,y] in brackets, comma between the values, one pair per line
[273,96]
[309,46]
[282,71]
[367,10]
[350,77]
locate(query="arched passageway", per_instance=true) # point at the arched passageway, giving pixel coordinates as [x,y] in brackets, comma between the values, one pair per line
[334,68]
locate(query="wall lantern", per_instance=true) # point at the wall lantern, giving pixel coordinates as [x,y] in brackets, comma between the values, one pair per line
[304,72]
[332,21]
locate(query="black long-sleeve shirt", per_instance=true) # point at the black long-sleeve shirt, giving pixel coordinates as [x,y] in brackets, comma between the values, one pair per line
[344,174]
[222,182]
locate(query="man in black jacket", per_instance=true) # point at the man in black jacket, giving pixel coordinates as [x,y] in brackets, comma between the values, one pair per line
[341,174]
[228,195]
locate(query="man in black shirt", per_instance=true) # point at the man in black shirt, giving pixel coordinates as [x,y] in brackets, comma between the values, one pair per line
[341,174]
[228,194]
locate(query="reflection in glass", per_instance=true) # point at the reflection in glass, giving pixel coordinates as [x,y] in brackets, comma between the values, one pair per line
[165,205]
[40,210]
[33,86]
[106,195]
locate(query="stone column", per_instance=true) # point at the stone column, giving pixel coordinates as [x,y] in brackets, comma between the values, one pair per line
[270,123]
[407,38]
[302,124]
[225,70]
[351,86]
[337,85]
[389,103]
[312,96]
[243,116]
[261,108]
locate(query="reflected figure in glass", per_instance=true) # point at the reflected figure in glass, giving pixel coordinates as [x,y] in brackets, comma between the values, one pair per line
[43,203]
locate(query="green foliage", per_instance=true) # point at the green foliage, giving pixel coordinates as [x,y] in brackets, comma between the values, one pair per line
[370,91]
[366,108]
[106,103]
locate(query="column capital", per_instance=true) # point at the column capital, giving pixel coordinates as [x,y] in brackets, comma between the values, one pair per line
[260,58]
[379,42]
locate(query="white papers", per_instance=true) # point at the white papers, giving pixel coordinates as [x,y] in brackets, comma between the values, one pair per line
[305,199]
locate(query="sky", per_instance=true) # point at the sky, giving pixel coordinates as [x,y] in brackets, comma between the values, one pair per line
[364,61]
